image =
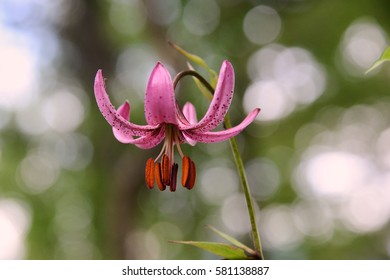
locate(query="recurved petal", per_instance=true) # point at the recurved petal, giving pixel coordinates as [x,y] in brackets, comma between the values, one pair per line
[218,136]
[143,142]
[146,142]
[221,100]
[124,111]
[189,112]
[187,118]
[151,141]
[189,139]
[112,116]
[160,103]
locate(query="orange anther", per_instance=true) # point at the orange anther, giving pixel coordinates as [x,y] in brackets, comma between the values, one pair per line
[188,173]
[191,180]
[165,170]
[149,173]
[185,170]
[157,174]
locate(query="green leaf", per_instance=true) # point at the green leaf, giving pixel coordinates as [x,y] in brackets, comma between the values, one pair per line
[226,251]
[385,57]
[192,57]
[232,240]
[201,87]
[213,77]
[199,61]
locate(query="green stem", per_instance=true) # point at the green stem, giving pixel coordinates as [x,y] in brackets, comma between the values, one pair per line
[195,74]
[237,160]
[245,187]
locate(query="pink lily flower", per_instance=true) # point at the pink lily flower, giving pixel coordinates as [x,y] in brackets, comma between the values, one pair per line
[166,121]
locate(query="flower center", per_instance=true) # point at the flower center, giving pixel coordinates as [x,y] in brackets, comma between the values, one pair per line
[164,173]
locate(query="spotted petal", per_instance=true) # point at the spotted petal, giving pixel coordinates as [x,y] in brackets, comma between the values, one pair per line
[112,116]
[124,111]
[144,142]
[160,103]
[221,100]
[218,136]
[189,113]
[152,140]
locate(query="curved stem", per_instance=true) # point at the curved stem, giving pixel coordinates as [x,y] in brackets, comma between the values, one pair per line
[238,161]
[195,74]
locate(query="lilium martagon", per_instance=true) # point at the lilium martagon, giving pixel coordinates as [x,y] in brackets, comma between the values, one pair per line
[167,122]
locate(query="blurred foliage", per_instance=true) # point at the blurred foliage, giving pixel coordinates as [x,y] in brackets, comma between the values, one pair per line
[317,158]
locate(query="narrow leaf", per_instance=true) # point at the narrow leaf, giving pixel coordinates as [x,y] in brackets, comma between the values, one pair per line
[232,240]
[213,77]
[201,87]
[226,251]
[199,61]
[385,57]
[192,57]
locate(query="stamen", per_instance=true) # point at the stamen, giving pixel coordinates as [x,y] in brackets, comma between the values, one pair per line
[175,167]
[185,169]
[157,174]
[162,151]
[188,173]
[149,173]
[165,170]
[191,180]
[164,173]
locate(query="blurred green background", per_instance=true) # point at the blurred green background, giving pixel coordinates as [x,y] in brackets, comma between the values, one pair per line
[317,157]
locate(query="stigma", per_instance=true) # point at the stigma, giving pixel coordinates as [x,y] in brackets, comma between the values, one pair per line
[163,170]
